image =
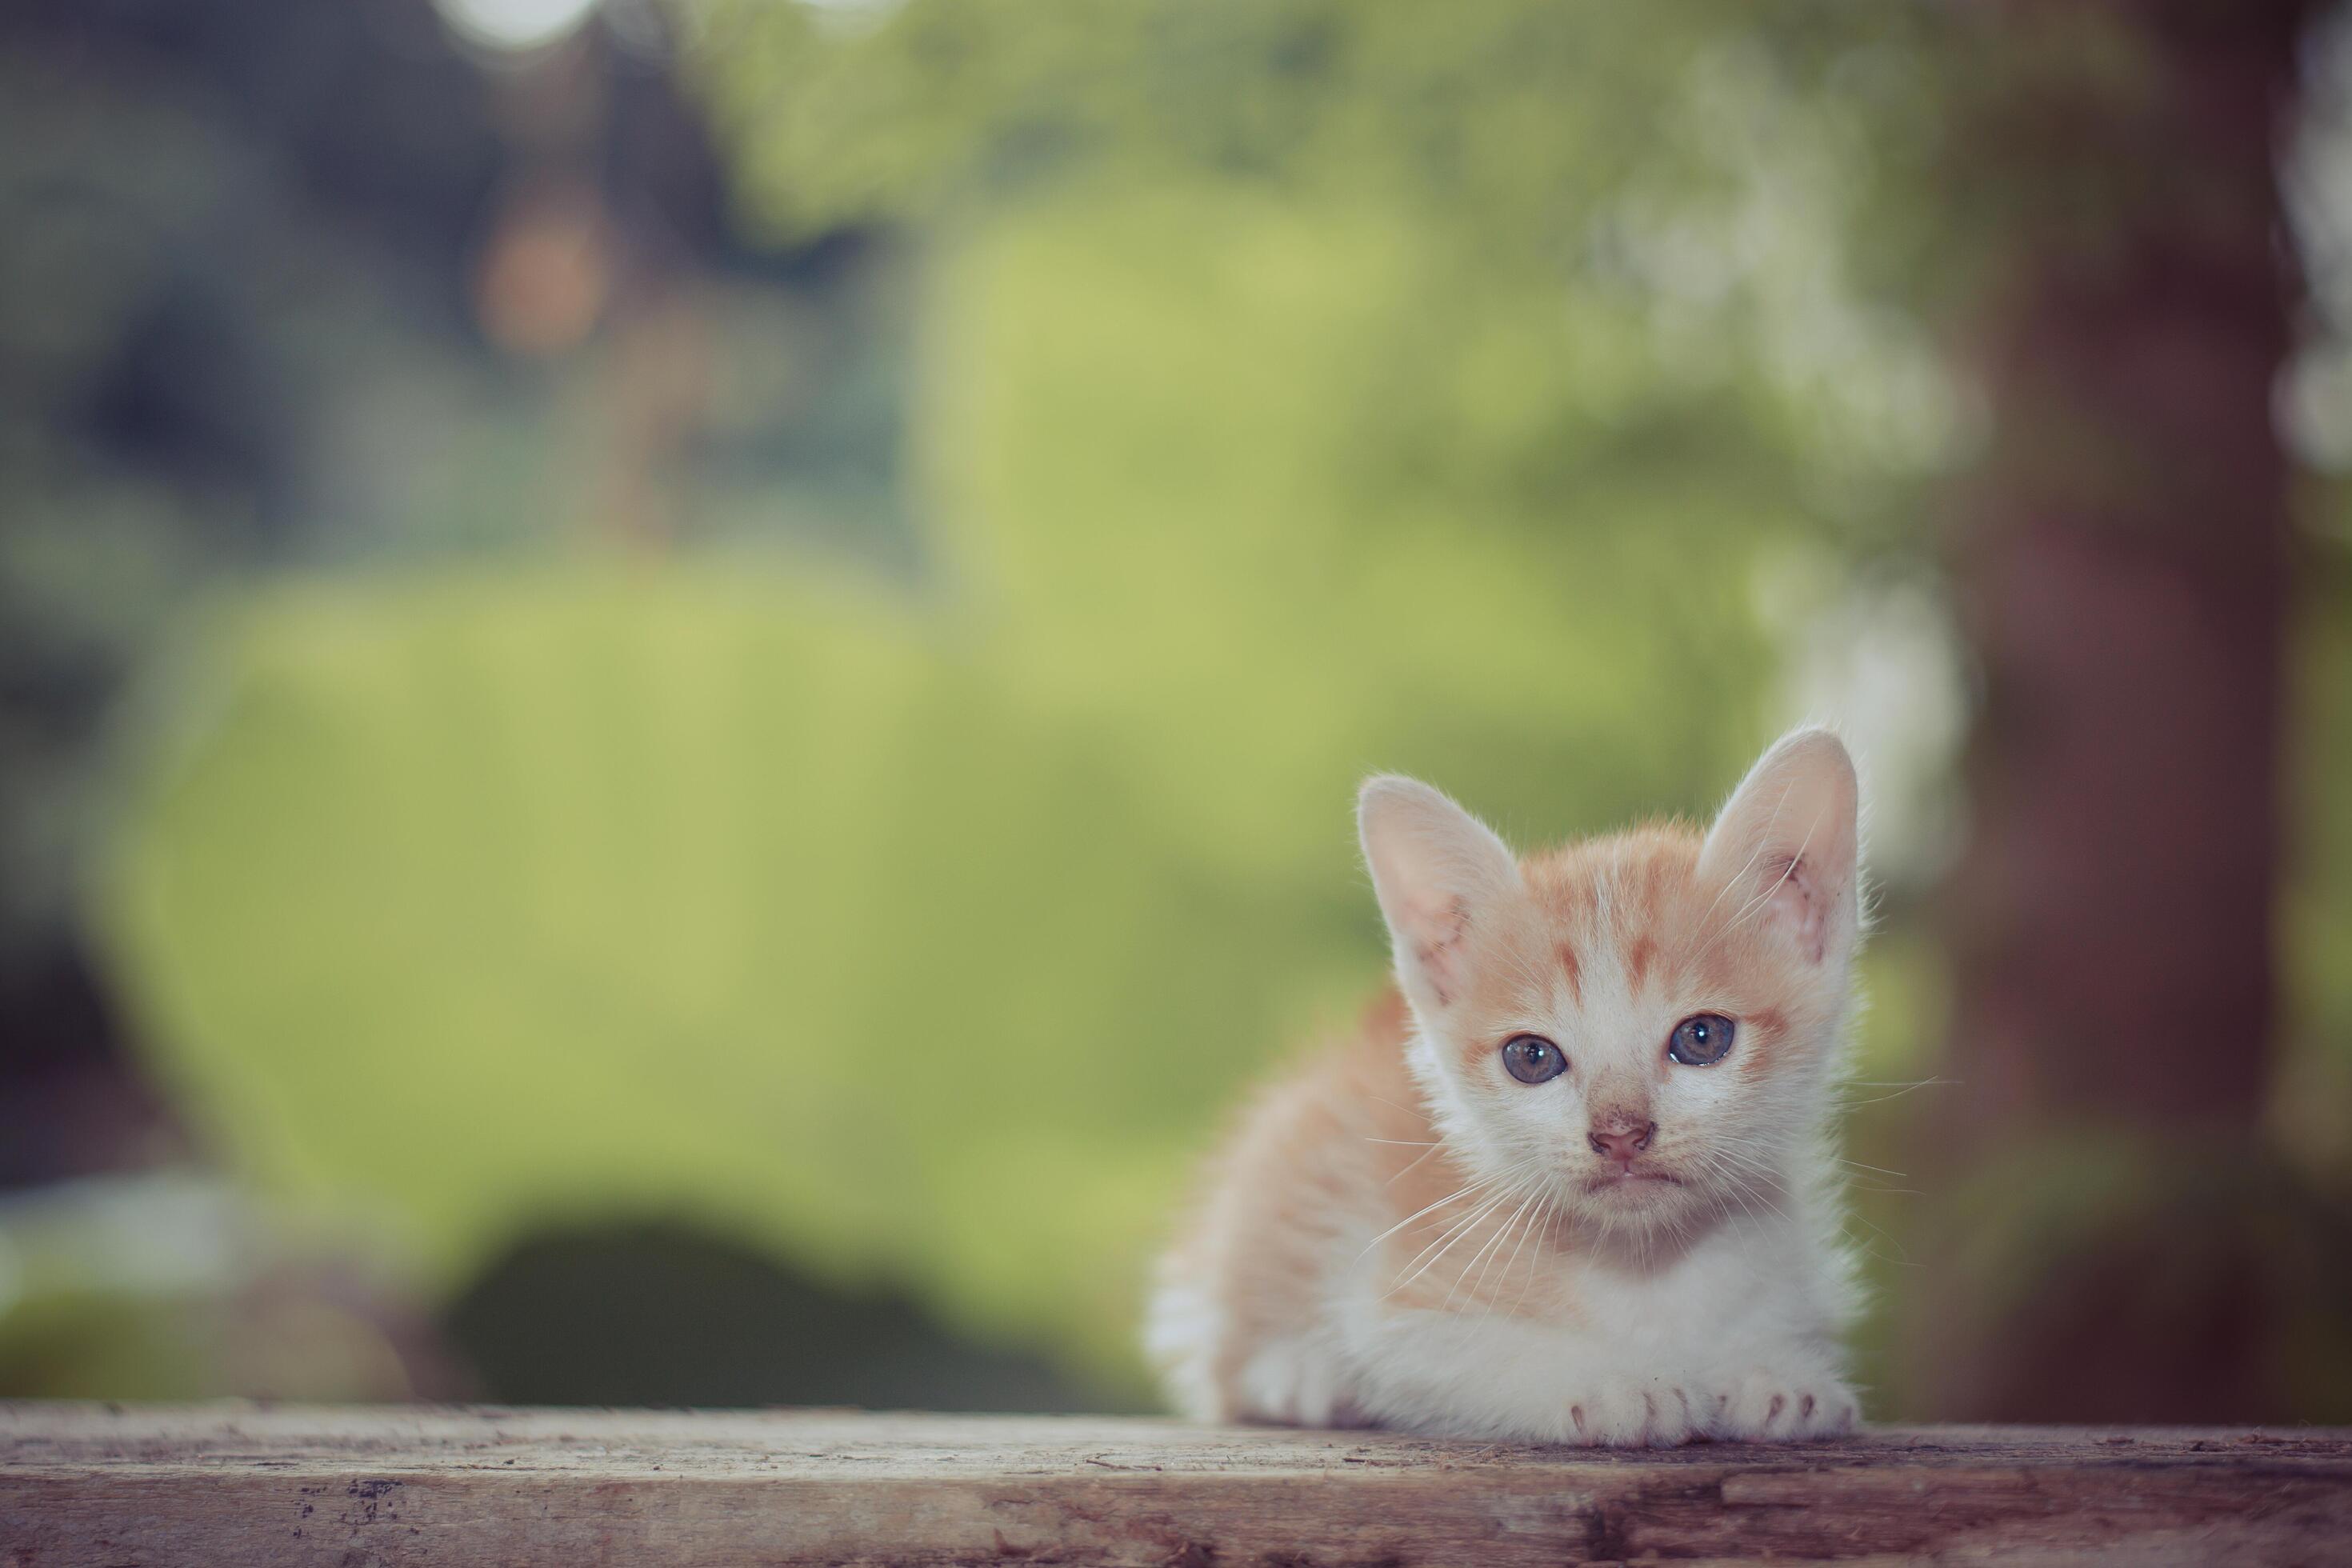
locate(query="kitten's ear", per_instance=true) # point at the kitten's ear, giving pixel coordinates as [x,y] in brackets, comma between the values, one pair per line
[1787,843]
[1441,874]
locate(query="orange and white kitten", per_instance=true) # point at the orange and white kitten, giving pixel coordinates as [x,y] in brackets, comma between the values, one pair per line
[1576,1185]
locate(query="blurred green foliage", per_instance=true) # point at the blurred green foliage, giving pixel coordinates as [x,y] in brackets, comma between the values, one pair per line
[1297,389]
[1303,390]
[1151,418]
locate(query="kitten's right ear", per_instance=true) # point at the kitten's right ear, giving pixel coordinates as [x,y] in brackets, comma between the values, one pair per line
[1439,872]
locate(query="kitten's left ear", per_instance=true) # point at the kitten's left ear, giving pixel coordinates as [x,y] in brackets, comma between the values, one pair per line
[1787,840]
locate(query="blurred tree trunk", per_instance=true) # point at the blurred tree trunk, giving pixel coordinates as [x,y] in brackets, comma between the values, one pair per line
[2121,567]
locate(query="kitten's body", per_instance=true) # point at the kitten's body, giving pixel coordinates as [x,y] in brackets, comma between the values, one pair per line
[1404,1232]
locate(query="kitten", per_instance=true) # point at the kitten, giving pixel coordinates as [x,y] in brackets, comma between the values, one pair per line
[1574,1181]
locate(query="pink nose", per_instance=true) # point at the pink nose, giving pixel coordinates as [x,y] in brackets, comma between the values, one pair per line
[1622,1146]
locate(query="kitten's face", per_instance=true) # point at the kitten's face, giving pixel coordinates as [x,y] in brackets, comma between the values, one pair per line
[1640,1027]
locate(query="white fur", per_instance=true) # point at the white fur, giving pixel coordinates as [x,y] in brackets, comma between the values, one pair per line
[1733,1339]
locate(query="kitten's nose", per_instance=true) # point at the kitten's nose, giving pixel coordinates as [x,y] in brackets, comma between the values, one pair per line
[1622,1145]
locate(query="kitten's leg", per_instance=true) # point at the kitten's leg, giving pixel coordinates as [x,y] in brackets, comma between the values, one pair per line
[1296,1379]
[1299,1379]
[1182,1328]
[1472,1375]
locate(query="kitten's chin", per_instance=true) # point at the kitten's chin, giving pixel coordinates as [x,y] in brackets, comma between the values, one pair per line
[1644,1197]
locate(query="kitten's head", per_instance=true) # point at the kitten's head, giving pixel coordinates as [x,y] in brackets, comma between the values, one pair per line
[1643,1026]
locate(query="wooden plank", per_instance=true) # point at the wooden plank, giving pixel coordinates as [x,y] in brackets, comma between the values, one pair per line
[108,1487]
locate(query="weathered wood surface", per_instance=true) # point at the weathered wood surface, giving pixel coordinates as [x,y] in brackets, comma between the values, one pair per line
[111,1488]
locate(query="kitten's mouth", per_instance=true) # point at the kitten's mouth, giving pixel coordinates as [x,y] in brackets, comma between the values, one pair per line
[1631,1178]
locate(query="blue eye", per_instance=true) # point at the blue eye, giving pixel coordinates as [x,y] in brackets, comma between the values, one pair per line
[1531,1059]
[1701,1040]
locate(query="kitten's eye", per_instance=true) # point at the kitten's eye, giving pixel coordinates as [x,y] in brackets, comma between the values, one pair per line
[1701,1040]
[1531,1059]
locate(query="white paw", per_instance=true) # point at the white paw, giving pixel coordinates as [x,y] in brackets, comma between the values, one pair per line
[1294,1383]
[1626,1413]
[1768,1406]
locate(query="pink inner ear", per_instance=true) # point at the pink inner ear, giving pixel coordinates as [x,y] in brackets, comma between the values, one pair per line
[1437,932]
[1799,902]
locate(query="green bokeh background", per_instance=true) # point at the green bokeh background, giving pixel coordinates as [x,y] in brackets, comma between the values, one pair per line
[1506,394]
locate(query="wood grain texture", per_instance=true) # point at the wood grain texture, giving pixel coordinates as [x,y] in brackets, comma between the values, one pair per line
[108,1487]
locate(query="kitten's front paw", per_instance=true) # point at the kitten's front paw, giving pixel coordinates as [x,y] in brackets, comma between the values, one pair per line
[1768,1406]
[1629,1414]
